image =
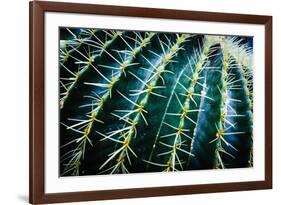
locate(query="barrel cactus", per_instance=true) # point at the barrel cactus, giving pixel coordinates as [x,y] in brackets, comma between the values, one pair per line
[135,102]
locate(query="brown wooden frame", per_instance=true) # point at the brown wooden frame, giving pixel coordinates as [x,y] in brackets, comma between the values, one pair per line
[36,101]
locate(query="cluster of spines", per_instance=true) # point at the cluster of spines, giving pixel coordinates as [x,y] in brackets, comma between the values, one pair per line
[181,138]
[129,131]
[208,51]
[180,134]
[66,48]
[226,111]
[98,100]
[242,53]
[126,133]
[83,126]
[243,56]
[197,64]
[99,48]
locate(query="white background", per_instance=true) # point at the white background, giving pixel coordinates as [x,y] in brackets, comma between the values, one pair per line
[14,100]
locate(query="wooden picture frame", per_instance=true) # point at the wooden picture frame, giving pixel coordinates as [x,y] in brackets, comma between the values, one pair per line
[37,99]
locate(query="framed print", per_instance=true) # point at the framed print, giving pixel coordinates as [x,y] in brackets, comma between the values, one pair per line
[138,102]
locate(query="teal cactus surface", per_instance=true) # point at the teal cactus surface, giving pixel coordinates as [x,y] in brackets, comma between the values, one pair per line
[134,102]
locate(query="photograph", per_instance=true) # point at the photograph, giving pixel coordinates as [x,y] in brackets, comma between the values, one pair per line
[152,101]
[129,102]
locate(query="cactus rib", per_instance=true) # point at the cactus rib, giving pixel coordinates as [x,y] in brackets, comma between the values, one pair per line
[139,109]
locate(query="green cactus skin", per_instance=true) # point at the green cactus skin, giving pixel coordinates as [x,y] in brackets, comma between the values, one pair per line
[134,102]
